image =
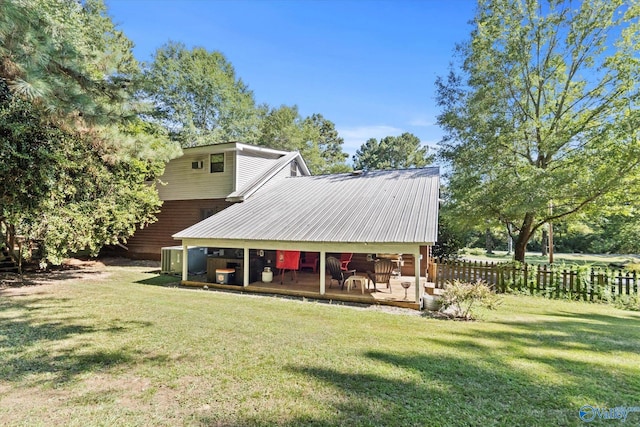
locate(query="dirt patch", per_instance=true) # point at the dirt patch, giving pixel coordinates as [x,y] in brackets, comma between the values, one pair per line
[70,269]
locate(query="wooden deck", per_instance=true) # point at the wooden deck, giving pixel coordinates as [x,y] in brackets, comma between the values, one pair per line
[307,285]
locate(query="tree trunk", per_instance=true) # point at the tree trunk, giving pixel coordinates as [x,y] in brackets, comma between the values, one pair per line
[545,242]
[520,249]
[488,242]
[523,238]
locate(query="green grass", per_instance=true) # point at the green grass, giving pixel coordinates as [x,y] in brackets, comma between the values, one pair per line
[123,351]
[601,260]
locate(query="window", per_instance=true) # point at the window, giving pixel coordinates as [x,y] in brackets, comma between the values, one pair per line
[217,163]
[294,168]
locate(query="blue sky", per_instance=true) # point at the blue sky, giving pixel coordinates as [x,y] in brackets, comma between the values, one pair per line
[368,66]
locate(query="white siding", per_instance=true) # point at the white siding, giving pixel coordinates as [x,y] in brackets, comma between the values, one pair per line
[284,173]
[185,183]
[252,165]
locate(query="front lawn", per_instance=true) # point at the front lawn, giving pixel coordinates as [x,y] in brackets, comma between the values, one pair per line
[114,348]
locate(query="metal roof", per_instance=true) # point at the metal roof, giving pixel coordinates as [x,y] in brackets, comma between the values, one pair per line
[395,206]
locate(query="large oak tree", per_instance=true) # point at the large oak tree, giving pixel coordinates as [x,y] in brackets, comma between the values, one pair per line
[198,97]
[540,113]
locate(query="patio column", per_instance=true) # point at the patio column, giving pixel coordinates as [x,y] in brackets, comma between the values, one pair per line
[323,266]
[185,262]
[245,268]
[416,265]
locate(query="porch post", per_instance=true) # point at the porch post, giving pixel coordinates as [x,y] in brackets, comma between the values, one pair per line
[323,266]
[416,267]
[245,268]
[185,262]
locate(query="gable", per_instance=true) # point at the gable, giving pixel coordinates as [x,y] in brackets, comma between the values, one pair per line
[196,175]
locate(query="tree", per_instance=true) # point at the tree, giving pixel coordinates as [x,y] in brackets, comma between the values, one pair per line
[68,57]
[541,118]
[63,193]
[281,128]
[314,137]
[450,240]
[329,142]
[198,97]
[200,101]
[392,152]
[75,158]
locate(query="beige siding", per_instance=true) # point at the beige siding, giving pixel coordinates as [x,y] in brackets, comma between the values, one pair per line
[250,165]
[184,183]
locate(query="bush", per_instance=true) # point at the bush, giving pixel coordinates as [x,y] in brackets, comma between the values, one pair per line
[628,302]
[460,298]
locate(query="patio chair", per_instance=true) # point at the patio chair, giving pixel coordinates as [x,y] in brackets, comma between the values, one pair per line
[288,260]
[345,259]
[337,273]
[382,269]
[310,260]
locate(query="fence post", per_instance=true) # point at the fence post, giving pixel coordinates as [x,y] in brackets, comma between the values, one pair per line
[562,277]
[628,284]
[620,281]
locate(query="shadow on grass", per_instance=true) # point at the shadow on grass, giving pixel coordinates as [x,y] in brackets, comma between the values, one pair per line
[37,278]
[421,390]
[592,331]
[161,280]
[42,349]
[524,373]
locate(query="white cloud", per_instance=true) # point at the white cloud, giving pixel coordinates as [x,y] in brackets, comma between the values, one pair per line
[355,137]
[421,122]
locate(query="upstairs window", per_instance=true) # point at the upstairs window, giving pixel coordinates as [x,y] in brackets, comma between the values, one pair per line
[294,168]
[217,162]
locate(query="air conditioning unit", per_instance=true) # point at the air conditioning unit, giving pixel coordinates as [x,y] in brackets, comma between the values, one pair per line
[197,165]
[171,260]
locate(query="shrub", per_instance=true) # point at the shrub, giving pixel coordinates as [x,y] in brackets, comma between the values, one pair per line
[460,298]
[628,302]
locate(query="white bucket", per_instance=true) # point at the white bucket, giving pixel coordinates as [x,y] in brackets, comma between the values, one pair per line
[432,303]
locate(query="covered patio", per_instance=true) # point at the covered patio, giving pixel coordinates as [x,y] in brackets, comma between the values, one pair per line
[379,212]
[306,284]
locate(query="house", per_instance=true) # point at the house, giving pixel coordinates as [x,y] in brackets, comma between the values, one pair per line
[204,181]
[375,212]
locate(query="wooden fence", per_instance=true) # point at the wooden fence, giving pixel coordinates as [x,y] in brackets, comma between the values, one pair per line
[580,283]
